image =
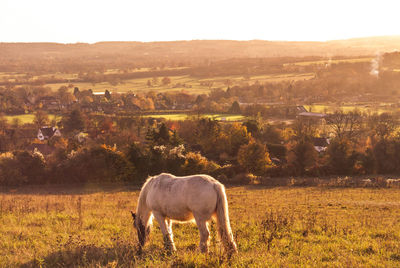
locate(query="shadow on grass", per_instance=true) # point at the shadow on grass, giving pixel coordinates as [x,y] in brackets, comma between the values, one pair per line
[120,255]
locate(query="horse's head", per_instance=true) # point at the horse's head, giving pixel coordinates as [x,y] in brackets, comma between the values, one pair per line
[142,231]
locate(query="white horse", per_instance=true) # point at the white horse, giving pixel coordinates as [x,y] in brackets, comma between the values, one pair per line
[169,198]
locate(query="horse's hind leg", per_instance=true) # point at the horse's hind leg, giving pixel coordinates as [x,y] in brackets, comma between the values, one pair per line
[204,234]
[166,231]
[169,228]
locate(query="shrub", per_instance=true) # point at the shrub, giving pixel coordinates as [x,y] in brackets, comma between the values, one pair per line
[341,157]
[302,157]
[195,163]
[387,156]
[277,150]
[95,164]
[22,167]
[139,158]
[254,158]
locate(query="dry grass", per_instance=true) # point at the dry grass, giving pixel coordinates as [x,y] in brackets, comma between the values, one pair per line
[25,118]
[375,108]
[324,62]
[192,84]
[282,226]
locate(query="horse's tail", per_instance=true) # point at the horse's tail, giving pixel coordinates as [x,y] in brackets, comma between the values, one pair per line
[224,227]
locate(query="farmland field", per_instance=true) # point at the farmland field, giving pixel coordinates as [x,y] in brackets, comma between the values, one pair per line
[323,62]
[323,108]
[29,118]
[180,117]
[26,118]
[283,226]
[178,83]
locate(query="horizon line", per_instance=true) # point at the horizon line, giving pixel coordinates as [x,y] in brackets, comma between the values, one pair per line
[189,40]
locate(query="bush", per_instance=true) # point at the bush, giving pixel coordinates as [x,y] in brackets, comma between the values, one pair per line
[277,150]
[387,156]
[95,164]
[302,157]
[341,157]
[195,163]
[254,158]
[22,167]
[139,158]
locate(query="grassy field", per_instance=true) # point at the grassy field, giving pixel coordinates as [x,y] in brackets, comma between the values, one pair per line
[323,108]
[323,62]
[25,118]
[273,227]
[192,84]
[180,117]
[29,118]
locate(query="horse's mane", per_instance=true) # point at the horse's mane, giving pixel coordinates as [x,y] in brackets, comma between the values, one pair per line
[143,193]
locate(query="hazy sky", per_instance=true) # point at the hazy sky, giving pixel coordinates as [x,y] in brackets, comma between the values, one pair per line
[70,21]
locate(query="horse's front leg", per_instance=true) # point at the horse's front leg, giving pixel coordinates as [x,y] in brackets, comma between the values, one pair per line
[166,231]
[204,234]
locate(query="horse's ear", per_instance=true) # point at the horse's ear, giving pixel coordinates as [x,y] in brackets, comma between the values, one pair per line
[133,215]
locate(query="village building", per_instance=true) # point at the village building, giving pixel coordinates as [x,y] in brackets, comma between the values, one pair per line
[50,103]
[320,144]
[45,133]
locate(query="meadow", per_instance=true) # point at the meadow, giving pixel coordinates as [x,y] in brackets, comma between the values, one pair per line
[185,83]
[363,108]
[91,226]
[26,118]
[330,61]
[183,116]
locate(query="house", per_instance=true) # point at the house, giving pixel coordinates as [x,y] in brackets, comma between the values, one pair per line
[301,109]
[312,115]
[320,144]
[46,133]
[50,103]
[318,118]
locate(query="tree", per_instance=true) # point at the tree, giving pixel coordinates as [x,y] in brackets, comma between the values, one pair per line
[74,121]
[302,157]
[386,154]
[383,125]
[271,134]
[87,100]
[41,118]
[139,158]
[304,129]
[345,125]
[166,81]
[237,136]
[22,167]
[341,156]
[235,108]
[64,96]
[95,164]
[162,136]
[107,95]
[252,127]
[254,157]
[76,92]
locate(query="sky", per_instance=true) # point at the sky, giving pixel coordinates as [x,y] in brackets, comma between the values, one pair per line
[90,21]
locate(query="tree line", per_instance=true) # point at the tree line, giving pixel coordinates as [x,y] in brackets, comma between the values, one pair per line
[130,149]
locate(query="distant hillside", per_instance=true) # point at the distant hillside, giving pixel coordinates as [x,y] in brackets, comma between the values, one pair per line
[181,52]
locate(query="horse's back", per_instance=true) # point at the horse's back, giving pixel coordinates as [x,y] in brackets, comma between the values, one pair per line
[180,197]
